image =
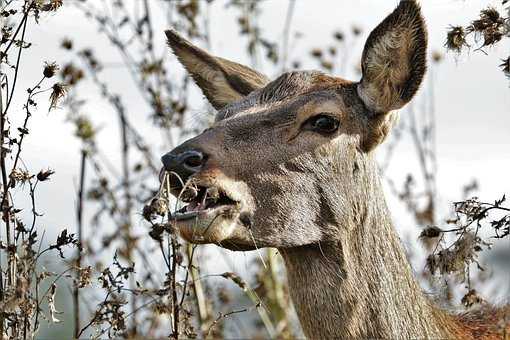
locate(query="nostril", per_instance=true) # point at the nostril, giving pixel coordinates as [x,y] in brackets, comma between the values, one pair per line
[193,159]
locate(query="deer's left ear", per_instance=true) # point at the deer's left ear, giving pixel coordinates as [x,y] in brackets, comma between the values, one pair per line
[394,59]
[222,81]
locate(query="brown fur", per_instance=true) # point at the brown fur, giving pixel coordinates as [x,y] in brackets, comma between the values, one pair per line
[318,198]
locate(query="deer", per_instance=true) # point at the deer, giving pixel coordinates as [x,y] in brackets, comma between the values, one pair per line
[290,163]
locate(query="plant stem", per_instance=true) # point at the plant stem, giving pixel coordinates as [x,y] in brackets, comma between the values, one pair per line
[79,216]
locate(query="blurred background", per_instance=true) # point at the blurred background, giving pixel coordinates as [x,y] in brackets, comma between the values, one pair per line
[116,100]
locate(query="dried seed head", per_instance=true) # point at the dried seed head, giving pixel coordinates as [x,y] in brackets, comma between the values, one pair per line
[327,65]
[84,129]
[491,36]
[489,18]
[236,279]
[339,36]
[51,6]
[157,232]
[51,304]
[159,206]
[59,91]
[20,176]
[67,44]
[84,277]
[316,52]
[471,298]
[50,69]
[356,30]
[456,39]
[44,175]
[147,213]
[490,25]
[430,232]
[437,56]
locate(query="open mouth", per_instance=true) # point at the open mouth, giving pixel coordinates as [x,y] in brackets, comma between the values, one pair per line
[200,200]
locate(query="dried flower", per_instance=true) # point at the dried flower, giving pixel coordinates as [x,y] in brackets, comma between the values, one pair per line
[356,30]
[456,39]
[84,277]
[19,176]
[437,56]
[471,298]
[59,91]
[432,231]
[67,44]
[327,65]
[316,53]
[44,175]
[158,229]
[71,74]
[236,279]
[51,6]
[50,69]
[339,36]
[489,18]
[159,206]
[454,260]
[51,304]
[84,129]
[489,25]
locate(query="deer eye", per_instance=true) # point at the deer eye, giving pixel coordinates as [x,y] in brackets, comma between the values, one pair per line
[322,123]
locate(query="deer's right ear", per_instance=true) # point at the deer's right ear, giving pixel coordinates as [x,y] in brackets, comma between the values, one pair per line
[222,81]
[394,59]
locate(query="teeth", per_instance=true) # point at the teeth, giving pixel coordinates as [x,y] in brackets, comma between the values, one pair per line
[189,194]
[203,198]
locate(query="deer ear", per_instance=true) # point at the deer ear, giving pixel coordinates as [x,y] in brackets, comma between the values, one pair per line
[394,59]
[222,81]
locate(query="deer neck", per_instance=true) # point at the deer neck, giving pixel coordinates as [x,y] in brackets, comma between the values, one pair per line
[361,286]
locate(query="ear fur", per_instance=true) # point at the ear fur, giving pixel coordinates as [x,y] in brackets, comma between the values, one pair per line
[394,59]
[221,81]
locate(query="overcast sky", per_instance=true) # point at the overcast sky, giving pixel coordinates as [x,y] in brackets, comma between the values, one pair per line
[472,94]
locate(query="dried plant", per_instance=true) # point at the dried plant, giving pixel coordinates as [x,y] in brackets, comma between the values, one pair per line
[110,260]
[490,28]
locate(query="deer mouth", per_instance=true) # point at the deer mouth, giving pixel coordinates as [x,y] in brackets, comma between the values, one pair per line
[209,216]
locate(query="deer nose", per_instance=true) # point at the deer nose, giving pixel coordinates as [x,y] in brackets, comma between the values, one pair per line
[185,163]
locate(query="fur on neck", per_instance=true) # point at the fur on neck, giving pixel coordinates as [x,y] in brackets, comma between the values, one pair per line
[361,285]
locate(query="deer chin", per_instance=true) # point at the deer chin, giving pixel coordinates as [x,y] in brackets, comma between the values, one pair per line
[209,225]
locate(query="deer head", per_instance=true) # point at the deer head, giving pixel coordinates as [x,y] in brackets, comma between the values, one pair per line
[289,162]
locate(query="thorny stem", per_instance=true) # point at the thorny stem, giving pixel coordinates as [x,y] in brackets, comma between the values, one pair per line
[5,208]
[224,316]
[16,69]
[128,198]
[174,246]
[201,302]
[79,216]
